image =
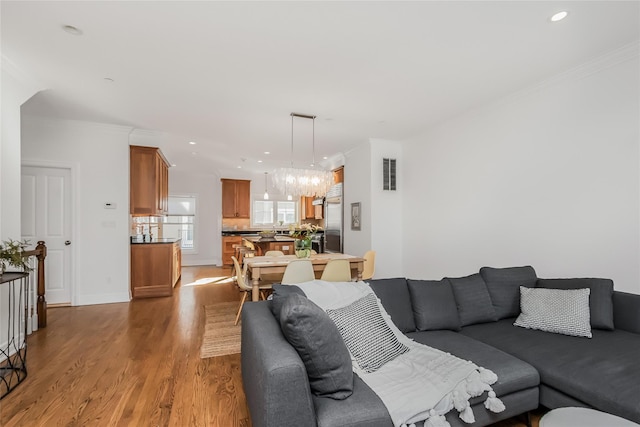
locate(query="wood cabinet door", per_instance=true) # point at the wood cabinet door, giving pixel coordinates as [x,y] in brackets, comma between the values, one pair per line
[228,198]
[227,248]
[310,210]
[243,198]
[318,210]
[142,181]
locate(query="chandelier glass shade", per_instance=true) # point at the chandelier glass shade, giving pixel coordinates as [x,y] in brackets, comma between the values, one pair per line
[302,182]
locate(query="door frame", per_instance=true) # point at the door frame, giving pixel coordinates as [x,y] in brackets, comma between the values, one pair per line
[73,184]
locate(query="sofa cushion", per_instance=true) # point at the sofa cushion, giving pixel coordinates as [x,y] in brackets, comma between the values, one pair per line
[504,284]
[601,372]
[395,298]
[473,300]
[513,374]
[561,311]
[367,335]
[317,340]
[280,294]
[600,300]
[434,306]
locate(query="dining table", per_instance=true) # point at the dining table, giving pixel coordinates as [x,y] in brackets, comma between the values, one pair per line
[275,265]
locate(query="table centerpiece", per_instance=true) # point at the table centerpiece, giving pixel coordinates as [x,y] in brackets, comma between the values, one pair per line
[302,236]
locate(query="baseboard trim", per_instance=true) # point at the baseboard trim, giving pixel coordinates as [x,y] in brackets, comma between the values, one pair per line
[103,298]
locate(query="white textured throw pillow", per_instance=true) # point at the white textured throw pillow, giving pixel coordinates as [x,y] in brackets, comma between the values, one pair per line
[367,336]
[561,311]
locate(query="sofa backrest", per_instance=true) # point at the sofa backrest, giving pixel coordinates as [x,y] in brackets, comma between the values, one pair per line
[503,285]
[396,300]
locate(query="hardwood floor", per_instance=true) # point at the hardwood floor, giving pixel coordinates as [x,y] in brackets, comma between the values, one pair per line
[134,364]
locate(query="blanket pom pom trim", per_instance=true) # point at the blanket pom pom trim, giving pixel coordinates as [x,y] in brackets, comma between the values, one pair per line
[493,403]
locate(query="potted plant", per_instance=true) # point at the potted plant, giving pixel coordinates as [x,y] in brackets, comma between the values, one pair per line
[303,235]
[11,255]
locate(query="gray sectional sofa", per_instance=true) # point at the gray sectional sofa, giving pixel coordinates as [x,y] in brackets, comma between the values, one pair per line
[473,318]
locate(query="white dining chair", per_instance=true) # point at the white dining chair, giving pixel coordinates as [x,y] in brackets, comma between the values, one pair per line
[245,287]
[369,267]
[274,253]
[298,271]
[337,270]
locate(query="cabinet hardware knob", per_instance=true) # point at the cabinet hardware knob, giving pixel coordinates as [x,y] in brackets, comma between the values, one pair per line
[67,242]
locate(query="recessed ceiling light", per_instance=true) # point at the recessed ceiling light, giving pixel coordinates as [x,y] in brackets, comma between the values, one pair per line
[192,142]
[559,16]
[259,161]
[239,167]
[72,30]
[267,152]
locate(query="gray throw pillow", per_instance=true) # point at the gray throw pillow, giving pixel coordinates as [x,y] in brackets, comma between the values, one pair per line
[473,300]
[434,306]
[279,294]
[395,298]
[367,336]
[504,284]
[600,300]
[317,340]
[561,311]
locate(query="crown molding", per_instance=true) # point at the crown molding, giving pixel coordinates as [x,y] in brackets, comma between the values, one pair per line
[595,65]
[29,83]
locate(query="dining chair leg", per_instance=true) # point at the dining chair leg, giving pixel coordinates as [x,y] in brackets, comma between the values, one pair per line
[244,297]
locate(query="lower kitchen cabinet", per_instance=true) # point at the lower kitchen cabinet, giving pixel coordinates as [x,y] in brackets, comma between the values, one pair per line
[155,268]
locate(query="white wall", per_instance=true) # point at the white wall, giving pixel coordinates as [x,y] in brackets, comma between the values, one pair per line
[207,189]
[549,177]
[357,188]
[99,158]
[387,211]
[381,211]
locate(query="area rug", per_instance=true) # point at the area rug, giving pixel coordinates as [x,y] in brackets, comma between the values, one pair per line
[221,336]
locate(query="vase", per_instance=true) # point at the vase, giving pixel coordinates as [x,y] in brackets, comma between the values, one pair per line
[303,247]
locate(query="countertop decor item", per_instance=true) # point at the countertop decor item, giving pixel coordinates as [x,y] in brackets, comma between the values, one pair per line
[11,255]
[302,182]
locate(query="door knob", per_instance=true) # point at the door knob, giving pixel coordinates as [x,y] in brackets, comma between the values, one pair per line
[67,242]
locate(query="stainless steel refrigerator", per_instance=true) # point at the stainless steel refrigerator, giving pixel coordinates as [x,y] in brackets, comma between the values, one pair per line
[333,214]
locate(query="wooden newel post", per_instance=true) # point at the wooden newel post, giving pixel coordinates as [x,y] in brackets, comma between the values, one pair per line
[42,303]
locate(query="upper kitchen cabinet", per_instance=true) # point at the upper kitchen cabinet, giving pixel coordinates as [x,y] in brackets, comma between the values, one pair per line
[236,198]
[149,181]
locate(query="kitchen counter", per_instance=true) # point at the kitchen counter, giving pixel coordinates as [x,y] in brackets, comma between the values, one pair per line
[154,241]
[276,238]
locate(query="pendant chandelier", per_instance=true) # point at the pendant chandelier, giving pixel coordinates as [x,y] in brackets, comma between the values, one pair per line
[302,182]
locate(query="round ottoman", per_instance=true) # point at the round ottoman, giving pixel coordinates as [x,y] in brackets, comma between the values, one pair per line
[582,417]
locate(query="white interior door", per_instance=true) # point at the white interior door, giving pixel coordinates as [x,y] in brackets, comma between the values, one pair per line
[46,215]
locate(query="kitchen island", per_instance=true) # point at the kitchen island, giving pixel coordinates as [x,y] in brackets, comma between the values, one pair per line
[277,243]
[155,267]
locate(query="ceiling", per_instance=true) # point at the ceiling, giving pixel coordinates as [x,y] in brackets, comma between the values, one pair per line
[226,75]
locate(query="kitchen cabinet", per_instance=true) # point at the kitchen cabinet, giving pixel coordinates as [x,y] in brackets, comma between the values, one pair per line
[307,208]
[338,175]
[227,248]
[155,268]
[318,211]
[236,198]
[148,181]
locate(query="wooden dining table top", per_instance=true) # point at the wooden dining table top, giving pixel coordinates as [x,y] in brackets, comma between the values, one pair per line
[283,260]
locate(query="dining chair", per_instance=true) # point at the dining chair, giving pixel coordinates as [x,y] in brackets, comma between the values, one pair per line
[369,265]
[298,271]
[242,281]
[274,253]
[337,270]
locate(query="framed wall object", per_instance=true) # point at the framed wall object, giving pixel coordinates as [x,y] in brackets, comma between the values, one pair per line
[355,216]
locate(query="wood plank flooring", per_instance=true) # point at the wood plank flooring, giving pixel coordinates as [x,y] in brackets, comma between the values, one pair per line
[134,364]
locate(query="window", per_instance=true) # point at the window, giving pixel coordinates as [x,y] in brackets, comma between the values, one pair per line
[180,222]
[271,213]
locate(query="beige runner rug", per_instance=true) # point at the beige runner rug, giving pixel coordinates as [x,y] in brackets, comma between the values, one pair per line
[221,336]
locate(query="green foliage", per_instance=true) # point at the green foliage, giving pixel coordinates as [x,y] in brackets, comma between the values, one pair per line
[11,254]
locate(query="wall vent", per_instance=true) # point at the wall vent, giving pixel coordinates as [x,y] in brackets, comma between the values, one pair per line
[389,174]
